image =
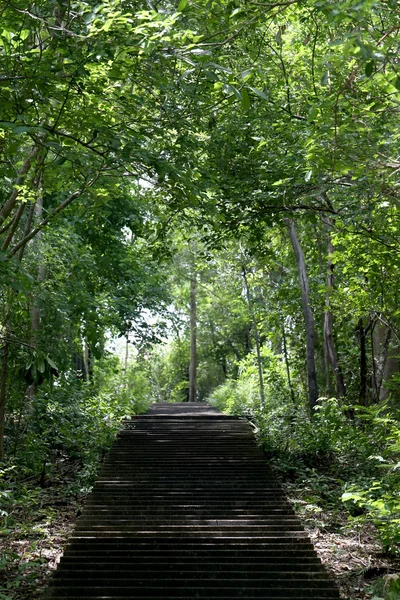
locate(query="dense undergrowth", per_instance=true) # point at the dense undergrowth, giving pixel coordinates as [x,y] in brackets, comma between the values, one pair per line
[54,453]
[341,467]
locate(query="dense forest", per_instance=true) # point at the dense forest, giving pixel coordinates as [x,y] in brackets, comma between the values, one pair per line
[215,184]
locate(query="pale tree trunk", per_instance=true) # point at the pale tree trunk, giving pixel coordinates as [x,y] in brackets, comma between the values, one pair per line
[193,339]
[362,335]
[308,316]
[385,350]
[126,361]
[328,328]
[381,337]
[287,363]
[256,335]
[87,360]
[35,311]
[391,367]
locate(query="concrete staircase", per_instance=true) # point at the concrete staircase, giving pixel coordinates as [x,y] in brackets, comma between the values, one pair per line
[186,507]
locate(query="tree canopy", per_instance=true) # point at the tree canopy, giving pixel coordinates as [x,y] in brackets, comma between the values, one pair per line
[245,150]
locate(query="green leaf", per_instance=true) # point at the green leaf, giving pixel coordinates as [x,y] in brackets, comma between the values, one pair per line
[245,99]
[325,78]
[232,89]
[397,82]
[22,129]
[51,362]
[259,93]
[182,5]
[369,68]
[308,175]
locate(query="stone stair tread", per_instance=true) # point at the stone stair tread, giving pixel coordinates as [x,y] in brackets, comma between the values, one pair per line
[186,507]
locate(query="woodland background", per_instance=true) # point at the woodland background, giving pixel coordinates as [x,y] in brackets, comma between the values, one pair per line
[217,183]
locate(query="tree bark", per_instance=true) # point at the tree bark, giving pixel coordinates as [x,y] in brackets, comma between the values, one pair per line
[9,205]
[126,361]
[391,367]
[35,311]
[256,335]
[362,334]
[286,356]
[308,316]
[13,227]
[193,339]
[328,328]
[3,395]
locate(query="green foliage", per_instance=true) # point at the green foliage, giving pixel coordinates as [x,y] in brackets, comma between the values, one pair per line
[169,367]
[76,420]
[379,498]
[242,395]
[334,456]
[159,140]
[387,588]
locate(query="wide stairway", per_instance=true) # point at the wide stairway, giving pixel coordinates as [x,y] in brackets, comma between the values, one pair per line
[186,507]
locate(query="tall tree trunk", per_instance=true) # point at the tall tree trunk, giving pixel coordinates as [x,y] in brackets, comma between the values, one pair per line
[308,316]
[35,311]
[256,335]
[86,355]
[391,367]
[3,395]
[328,327]
[286,356]
[79,363]
[193,339]
[10,203]
[126,361]
[362,334]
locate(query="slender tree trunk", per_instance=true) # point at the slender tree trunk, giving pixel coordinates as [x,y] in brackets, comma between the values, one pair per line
[3,395]
[35,311]
[27,229]
[322,270]
[126,361]
[9,205]
[13,228]
[391,368]
[326,363]
[79,363]
[246,339]
[382,335]
[362,334]
[87,360]
[256,335]
[308,316]
[193,339]
[286,356]
[328,325]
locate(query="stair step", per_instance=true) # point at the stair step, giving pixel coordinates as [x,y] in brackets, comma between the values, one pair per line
[186,507]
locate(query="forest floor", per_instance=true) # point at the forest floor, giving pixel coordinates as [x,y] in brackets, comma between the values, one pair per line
[32,541]
[349,549]
[33,535]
